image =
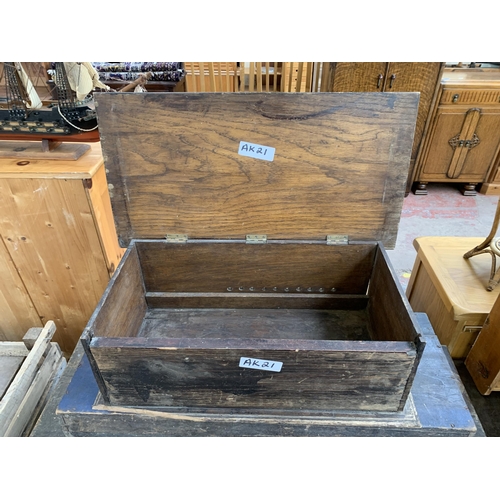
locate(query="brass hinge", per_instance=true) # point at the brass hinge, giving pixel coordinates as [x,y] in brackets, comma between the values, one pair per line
[256,238]
[337,239]
[176,238]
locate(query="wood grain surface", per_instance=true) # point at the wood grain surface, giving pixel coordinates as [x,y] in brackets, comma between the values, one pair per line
[216,267]
[340,165]
[205,373]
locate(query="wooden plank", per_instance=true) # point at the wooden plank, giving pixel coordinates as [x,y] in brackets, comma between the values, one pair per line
[99,201]
[201,67]
[66,151]
[317,375]
[256,300]
[50,387]
[208,190]
[211,76]
[31,337]
[213,267]
[259,76]
[8,369]
[251,77]
[305,324]
[84,168]
[29,403]
[13,349]
[24,378]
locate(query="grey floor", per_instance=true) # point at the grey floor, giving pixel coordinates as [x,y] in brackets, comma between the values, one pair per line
[444,211]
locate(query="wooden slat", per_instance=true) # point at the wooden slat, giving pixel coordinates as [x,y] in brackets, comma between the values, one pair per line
[309,73]
[258,67]
[267,76]
[26,409]
[212,267]
[298,83]
[229,69]
[251,77]
[24,378]
[275,78]
[202,76]
[211,76]
[290,77]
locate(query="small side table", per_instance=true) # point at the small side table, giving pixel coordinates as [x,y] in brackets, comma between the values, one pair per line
[451,289]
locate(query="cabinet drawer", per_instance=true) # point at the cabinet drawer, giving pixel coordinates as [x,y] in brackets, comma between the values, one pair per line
[470,96]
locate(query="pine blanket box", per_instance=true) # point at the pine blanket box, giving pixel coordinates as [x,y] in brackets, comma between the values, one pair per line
[255,275]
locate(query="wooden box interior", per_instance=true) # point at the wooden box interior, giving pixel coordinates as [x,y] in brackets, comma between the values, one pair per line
[176,319]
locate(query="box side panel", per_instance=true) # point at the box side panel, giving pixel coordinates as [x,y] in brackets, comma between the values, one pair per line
[314,379]
[391,316]
[390,313]
[219,267]
[123,306]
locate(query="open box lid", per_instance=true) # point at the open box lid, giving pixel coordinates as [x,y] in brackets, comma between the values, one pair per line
[286,165]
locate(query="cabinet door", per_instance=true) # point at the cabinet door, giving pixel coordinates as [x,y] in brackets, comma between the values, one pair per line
[471,163]
[359,77]
[415,77]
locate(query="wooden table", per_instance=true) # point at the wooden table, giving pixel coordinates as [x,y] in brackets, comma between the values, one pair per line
[451,289]
[58,244]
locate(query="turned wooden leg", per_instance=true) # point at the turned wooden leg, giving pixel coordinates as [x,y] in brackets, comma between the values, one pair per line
[420,188]
[469,189]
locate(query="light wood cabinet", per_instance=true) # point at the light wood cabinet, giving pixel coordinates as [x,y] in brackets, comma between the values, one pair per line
[422,77]
[464,135]
[451,290]
[58,244]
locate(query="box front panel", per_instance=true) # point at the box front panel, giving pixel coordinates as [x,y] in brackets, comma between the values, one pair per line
[253,374]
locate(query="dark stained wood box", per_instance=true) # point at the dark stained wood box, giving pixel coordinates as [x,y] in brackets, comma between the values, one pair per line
[254,281]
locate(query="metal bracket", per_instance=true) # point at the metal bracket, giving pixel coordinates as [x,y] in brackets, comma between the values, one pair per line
[176,238]
[256,239]
[337,239]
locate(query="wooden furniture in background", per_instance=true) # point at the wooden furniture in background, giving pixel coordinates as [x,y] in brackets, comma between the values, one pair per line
[29,370]
[463,142]
[483,361]
[58,244]
[253,76]
[422,77]
[451,290]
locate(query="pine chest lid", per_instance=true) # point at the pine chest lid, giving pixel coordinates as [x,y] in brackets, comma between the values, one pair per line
[286,165]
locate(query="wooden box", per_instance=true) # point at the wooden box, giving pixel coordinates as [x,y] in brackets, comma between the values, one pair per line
[451,290]
[254,281]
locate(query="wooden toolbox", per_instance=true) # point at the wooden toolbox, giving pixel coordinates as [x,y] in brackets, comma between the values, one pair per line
[255,275]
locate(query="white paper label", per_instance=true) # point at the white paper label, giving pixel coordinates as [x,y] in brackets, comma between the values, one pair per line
[256,151]
[261,364]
